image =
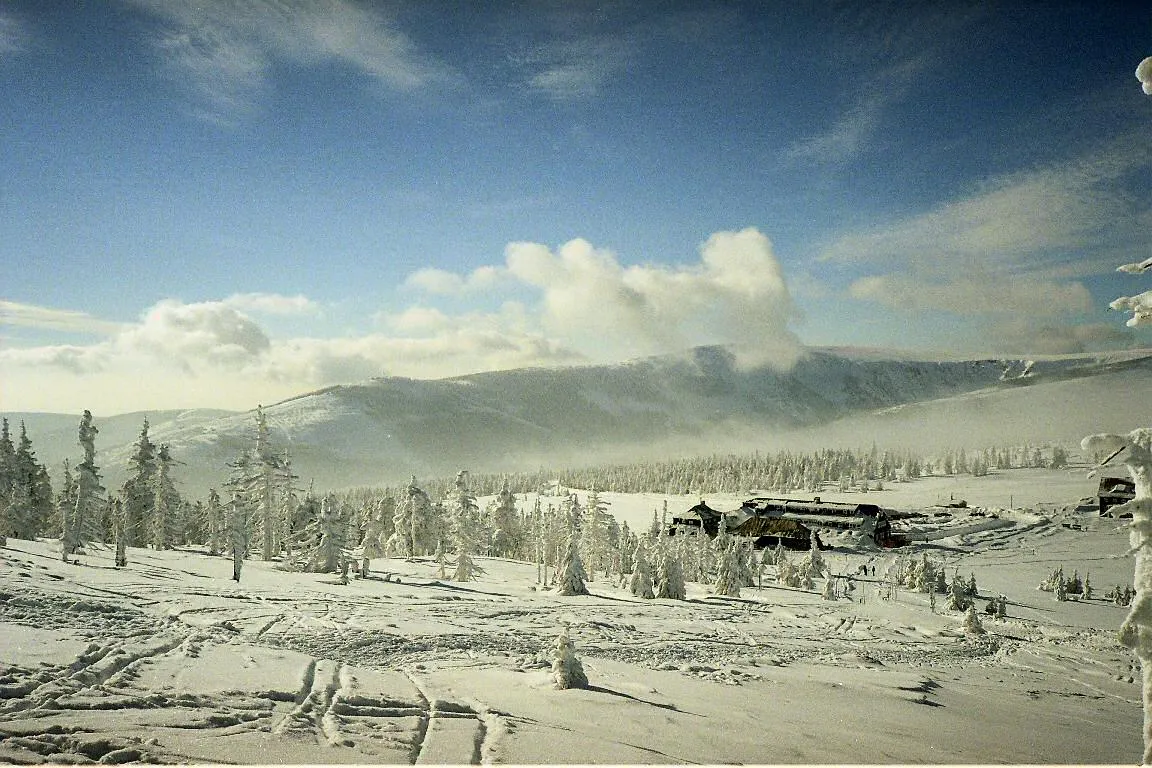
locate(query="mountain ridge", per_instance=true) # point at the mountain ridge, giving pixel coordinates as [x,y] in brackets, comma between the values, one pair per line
[384,430]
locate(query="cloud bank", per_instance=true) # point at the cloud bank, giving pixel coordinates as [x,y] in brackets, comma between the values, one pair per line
[586,307]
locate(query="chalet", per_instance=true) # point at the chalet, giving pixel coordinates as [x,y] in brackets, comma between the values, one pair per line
[1114,491]
[789,522]
[699,517]
[865,518]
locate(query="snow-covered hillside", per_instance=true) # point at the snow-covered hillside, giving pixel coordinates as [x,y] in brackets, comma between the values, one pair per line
[386,430]
[168,659]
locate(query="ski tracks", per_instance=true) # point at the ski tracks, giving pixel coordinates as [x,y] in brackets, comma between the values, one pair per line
[452,730]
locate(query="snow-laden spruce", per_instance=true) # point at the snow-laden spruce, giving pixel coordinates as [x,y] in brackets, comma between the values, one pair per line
[640,584]
[83,525]
[670,573]
[567,671]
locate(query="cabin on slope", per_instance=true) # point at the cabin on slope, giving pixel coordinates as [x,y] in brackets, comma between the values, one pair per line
[1114,491]
[699,518]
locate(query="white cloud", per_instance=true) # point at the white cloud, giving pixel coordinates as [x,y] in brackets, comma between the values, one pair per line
[273,304]
[226,49]
[1144,75]
[31,316]
[974,296]
[443,282]
[736,295]
[210,354]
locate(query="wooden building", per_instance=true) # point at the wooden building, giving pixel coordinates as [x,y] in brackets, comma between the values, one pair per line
[1114,491]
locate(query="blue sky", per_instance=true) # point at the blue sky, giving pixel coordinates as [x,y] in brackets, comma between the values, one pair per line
[225,203]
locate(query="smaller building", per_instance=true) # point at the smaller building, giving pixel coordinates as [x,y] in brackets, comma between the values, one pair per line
[1114,491]
[699,517]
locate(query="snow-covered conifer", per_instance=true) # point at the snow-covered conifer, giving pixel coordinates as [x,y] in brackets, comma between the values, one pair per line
[138,489]
[371,545]
[640,584]
[465,515]
[441,560]
[331,552]
[567,671]
[958,599]
[216,524]
[728,577]
[829,592]
[506,534]
[972,624]
[119,533]
[238,533]
[571,576]
[670,574]
[83,525]
[165,502]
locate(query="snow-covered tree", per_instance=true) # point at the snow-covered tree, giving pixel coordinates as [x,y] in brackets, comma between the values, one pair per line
[1136,447]
[29,502]
[958,599]
[165,502]
[812,565]
[119,533]
[729,575]
[571,576]
[972,624]
[84,524]
[669,573]
[239,529]
[371,546]
[216,523]
[567,671]
[506,534]
[138,489]
[465,519]
[331,552]
[640,584]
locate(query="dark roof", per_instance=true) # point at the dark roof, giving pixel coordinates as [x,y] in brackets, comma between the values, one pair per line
[769,505]
[772,526]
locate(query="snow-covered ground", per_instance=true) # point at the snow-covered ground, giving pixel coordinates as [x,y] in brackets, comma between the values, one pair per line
[170,660]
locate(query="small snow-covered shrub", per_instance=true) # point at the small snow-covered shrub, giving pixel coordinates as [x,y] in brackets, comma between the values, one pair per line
[567,671]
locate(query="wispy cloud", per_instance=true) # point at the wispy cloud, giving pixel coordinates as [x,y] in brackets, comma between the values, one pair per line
[1010,221]
[13,34]
[227,49]
[45,318]
[847,137]
[974,296]
[577,68]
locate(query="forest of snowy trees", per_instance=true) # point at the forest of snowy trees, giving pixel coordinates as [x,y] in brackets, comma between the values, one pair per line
[260,508]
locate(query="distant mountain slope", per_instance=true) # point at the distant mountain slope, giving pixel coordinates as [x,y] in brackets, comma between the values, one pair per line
[384,430]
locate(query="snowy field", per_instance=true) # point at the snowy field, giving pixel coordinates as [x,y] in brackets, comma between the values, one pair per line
[169,660]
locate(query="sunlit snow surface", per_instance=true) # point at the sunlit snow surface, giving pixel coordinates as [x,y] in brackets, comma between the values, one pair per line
[170,660]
